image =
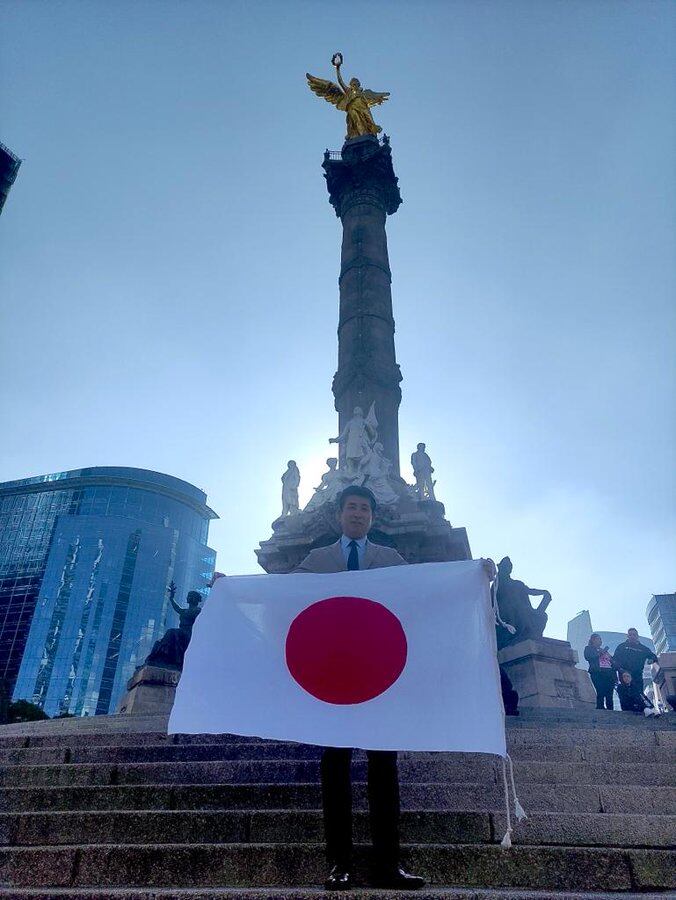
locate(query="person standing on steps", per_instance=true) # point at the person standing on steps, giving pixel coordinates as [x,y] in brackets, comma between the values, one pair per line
[631,656]
[356,509]
[356,506]
[602,671]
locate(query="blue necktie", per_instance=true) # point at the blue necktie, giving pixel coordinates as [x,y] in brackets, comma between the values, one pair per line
[352,557]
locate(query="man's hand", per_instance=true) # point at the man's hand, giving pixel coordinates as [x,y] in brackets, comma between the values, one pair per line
[489,568]
[217,575]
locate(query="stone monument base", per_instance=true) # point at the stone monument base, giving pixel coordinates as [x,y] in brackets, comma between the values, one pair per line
[665,675]
[150,692]
[545,675]
[416,529]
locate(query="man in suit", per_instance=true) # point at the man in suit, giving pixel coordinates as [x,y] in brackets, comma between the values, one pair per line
[354,551]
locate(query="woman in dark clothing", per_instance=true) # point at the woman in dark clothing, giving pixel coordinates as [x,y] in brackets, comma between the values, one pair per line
[601,671]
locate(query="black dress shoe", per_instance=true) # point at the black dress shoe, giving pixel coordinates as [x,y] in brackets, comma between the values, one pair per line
[340,879]
[398,879]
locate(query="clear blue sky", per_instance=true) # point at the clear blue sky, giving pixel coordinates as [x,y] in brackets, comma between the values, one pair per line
[169,263]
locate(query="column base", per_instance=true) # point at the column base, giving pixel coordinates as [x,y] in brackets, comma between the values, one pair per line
[545,675]
[665,676]
[416,529]
[150,692]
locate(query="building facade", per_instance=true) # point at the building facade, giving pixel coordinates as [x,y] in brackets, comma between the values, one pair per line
[86,560]
[9,169]
[661,614]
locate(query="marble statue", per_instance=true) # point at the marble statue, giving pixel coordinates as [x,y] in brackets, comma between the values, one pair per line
[515,607]
[290,483]
[356,439]
[352,99]
[331,484]
[376,469]
[422,469]
[169,650]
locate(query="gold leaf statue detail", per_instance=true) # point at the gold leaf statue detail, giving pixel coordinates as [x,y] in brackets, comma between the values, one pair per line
[351,98]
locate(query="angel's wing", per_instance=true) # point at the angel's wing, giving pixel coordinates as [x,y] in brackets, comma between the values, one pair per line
[328,90]
[375,98]
[371,420]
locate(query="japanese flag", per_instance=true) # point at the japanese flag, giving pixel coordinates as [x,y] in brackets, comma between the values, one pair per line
[398,658]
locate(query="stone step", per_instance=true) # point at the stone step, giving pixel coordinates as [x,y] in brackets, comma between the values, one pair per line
[112,729]
[477,768]
[301,826]
[287,893]
[632,738]
[228,772]
[207,827]
[559,719]
[89,725]
[303,865]
[53,755]
[449,796]
[636,733]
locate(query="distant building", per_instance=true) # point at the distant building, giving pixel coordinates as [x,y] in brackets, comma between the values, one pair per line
[578,633]
[9,168]
[661,614]
[86,558]
[580,630]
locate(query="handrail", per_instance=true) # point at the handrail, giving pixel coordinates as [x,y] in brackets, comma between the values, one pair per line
[337,155]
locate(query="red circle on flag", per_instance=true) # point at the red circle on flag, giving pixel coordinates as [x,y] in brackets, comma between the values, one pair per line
[346,650]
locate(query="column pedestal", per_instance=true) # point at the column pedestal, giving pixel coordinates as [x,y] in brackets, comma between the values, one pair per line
[150,692]
[665,676]
[544,674]
[420,533]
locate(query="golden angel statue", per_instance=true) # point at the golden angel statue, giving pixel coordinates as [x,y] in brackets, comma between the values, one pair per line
[351,98]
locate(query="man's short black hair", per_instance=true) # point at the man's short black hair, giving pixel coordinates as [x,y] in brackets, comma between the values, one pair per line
[355,490]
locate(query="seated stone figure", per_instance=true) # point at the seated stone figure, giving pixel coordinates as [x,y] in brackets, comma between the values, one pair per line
[515,607]
[169,650]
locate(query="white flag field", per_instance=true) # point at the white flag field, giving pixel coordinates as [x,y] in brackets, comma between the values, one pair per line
[397,658]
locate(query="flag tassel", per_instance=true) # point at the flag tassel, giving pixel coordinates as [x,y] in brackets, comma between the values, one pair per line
[519,811]
[496,609]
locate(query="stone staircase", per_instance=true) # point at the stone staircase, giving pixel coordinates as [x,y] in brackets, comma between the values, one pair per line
[90,809]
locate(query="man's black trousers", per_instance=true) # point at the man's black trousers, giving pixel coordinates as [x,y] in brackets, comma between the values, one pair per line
[383,794]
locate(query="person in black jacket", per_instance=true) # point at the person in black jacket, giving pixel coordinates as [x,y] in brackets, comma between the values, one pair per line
[602,671]
[632,699]
[631,656]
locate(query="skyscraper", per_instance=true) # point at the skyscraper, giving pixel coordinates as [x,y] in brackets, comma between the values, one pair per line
[661,614]
[86,560]
[9,168]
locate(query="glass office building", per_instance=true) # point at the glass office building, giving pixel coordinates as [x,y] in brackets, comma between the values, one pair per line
[86,560]
[661,614]
[9,169]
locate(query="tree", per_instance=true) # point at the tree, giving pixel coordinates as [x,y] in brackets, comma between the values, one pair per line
[24,711]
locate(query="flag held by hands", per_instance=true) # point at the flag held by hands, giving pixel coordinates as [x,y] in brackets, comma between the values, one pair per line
[398,658]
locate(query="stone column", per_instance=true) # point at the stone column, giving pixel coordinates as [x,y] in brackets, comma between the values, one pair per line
[363,190]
